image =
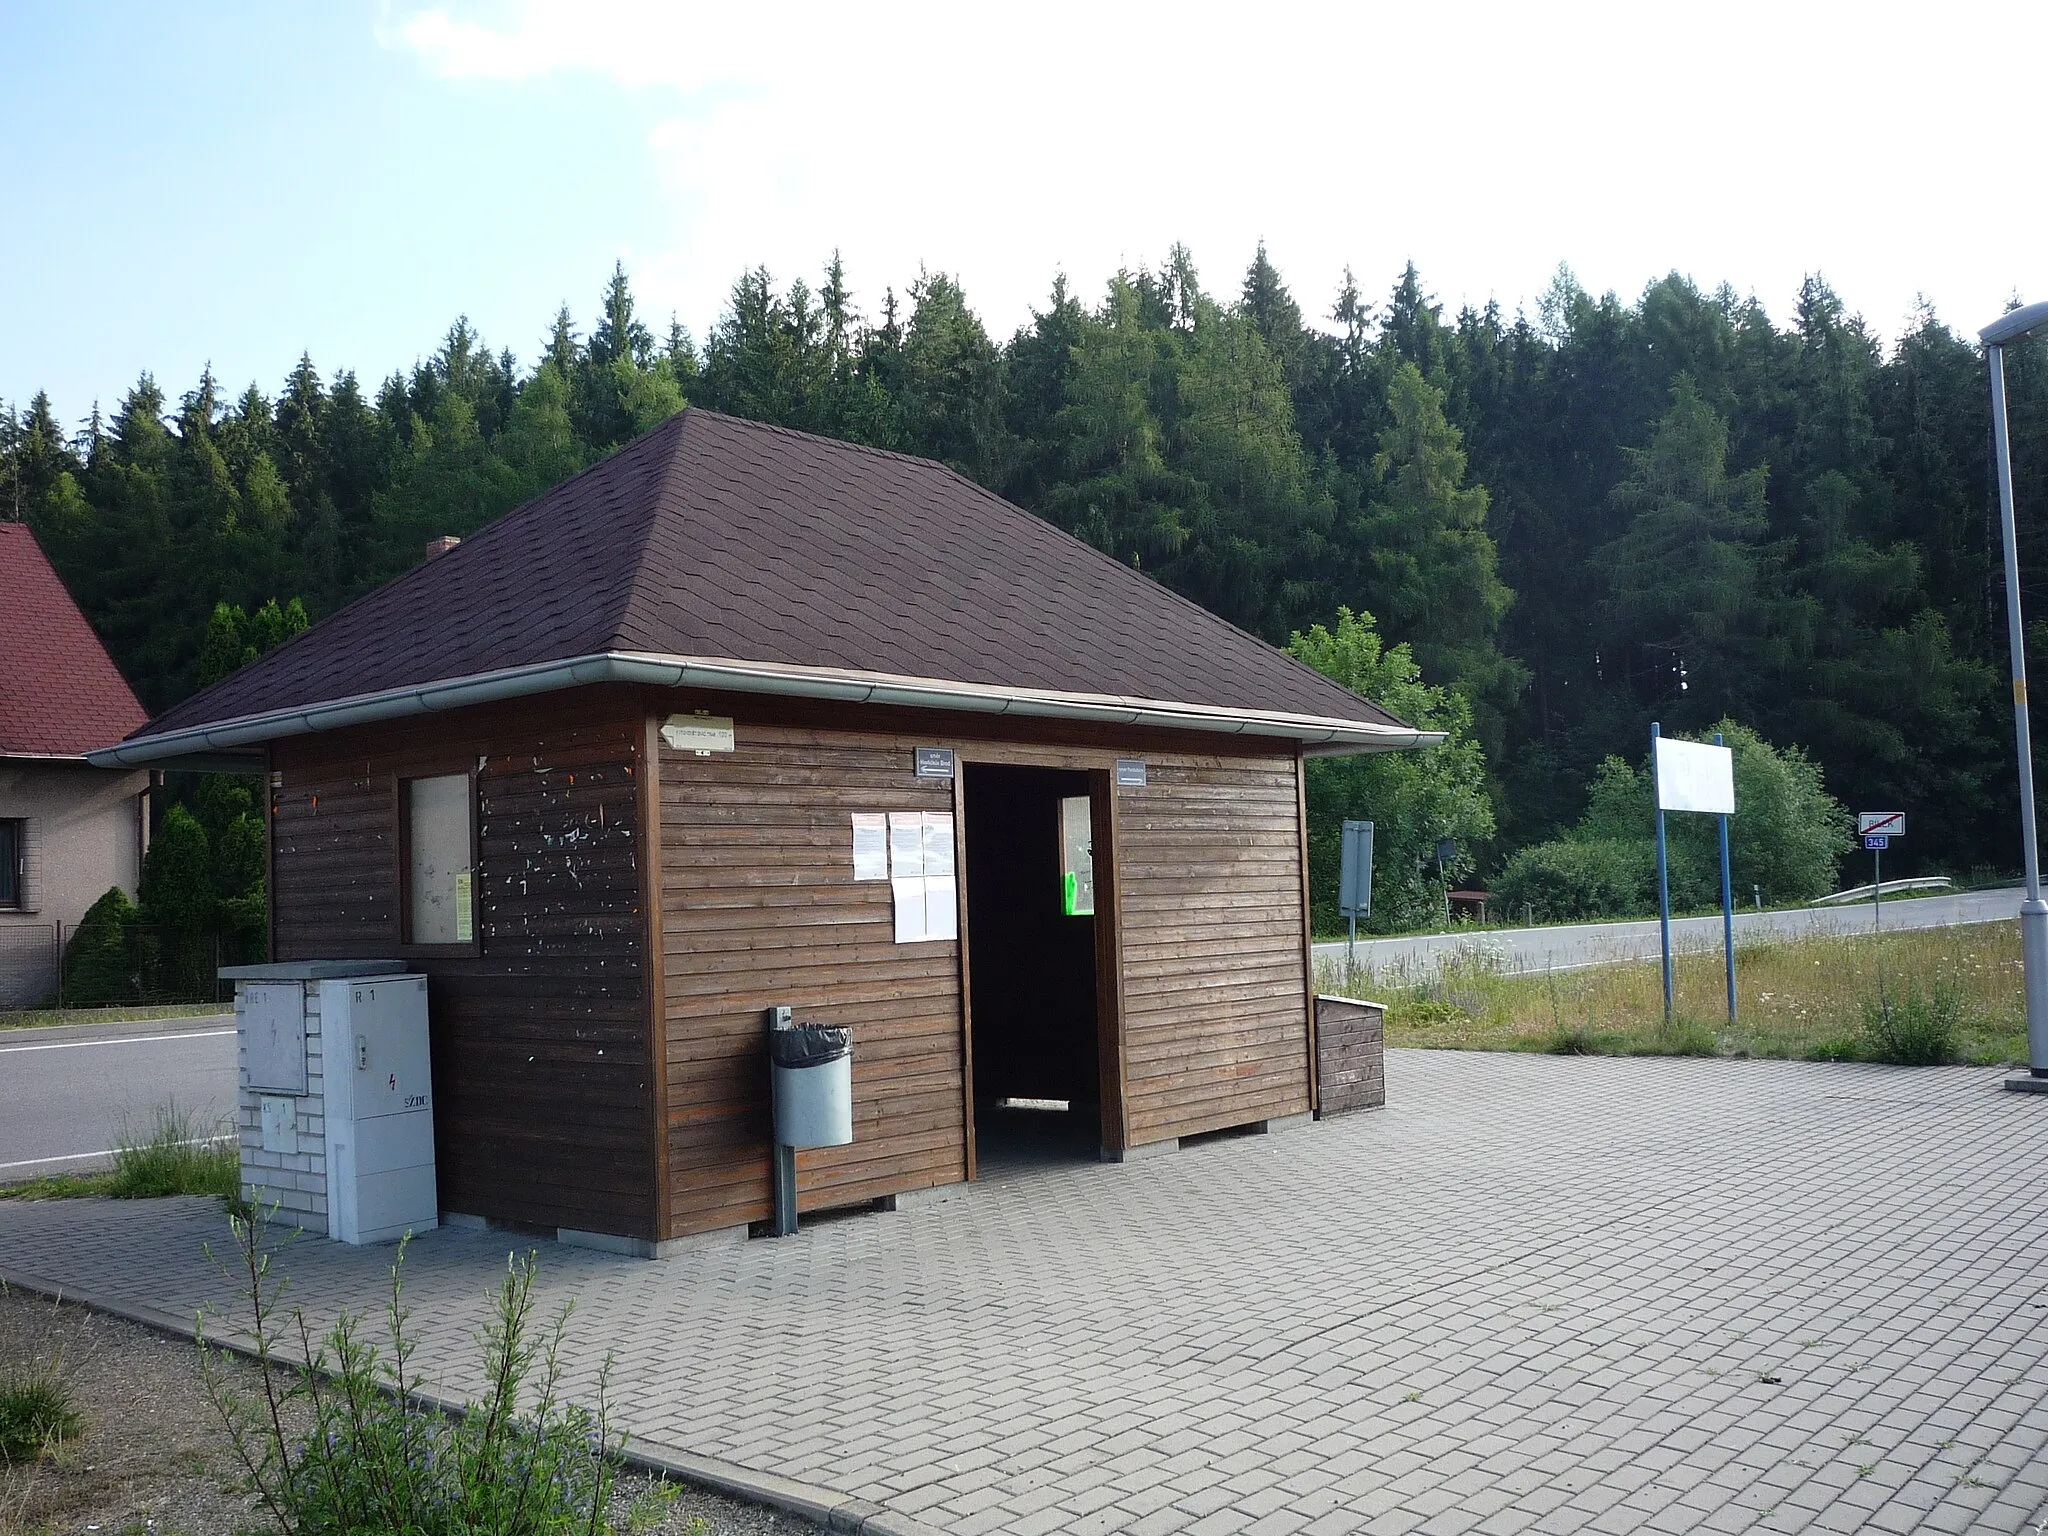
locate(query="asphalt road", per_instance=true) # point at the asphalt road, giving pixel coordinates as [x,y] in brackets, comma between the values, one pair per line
[67,1095]
[1581,944]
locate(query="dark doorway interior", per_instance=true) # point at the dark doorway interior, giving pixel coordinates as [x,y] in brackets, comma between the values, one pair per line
[1037,1074]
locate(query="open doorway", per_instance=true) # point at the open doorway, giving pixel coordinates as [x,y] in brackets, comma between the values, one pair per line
[1034,993]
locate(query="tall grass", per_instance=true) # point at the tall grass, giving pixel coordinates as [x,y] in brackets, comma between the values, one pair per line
[37,1409]
[336,1439]
[1923,996]
[174,1154]
[35,1414]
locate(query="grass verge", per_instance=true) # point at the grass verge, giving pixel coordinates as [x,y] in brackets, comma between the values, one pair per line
[1932,995]
[55,1018]
[176,1156]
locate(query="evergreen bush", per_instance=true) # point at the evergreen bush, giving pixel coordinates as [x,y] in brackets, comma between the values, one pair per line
[99,957]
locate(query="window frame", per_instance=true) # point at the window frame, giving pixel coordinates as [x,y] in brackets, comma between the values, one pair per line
[17,865]
[401,799]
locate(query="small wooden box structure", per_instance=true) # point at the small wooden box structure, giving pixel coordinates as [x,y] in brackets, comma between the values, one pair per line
[745,718]
[1351,1055]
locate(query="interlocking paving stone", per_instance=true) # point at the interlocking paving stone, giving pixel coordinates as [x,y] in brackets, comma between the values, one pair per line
[1534,1294]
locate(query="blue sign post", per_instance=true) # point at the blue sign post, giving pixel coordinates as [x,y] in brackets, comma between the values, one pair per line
[1877,829]
[1663,875]
[1727,907]
[1692,776]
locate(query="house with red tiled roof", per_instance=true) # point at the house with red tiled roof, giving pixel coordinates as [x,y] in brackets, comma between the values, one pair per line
[68,830]
[743,721]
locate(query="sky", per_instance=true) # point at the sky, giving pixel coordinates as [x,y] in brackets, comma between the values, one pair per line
[234,185]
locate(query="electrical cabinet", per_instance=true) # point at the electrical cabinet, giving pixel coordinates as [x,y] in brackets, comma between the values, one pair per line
[380,1108]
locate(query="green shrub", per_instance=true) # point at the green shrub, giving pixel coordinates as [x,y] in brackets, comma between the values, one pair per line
[1785,840]
[1915,1028]
[35,1414]
[99,964]
[178,907]
[1567,880]
[518,1461]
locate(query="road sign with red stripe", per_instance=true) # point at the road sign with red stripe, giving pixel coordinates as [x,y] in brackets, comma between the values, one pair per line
[1880,823]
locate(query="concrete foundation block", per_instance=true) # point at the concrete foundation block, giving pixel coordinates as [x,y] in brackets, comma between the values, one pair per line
[916,1199]
[1279,1123]
[2026,1082]
[700,1242]
[1139,1154]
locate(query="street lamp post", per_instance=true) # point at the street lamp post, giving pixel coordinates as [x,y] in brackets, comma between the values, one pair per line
[2000,334]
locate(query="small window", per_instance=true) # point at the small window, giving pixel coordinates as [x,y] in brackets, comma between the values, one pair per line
[438,906]
[13,834]
[1077,857]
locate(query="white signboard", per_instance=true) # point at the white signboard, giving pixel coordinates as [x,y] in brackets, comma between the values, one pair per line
[1693,776]
[702,734]
[1880,823]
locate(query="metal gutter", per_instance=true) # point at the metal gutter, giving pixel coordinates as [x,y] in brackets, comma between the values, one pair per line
[239,738]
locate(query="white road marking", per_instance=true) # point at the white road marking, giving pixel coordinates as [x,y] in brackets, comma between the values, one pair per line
[74,1045]
[79,1157]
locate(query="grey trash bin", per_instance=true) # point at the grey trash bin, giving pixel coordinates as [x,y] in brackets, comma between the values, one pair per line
[811,1070]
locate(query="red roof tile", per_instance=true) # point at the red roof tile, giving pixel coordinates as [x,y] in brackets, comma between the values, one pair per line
[60,694]
[715,537]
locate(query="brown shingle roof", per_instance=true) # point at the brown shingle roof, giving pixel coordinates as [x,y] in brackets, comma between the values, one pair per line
[714,537]
[60,693]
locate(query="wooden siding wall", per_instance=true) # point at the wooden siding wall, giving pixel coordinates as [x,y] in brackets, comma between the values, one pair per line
[1215,985]
[760,908]
[544,1103]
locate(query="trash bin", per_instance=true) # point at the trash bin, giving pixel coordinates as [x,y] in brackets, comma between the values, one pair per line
[811,1070]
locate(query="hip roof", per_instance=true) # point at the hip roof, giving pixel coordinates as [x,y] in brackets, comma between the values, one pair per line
[713,540]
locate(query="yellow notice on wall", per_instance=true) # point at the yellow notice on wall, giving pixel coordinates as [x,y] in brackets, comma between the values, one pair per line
[464,925]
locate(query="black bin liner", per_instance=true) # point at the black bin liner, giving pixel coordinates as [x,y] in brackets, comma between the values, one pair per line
[809,1045]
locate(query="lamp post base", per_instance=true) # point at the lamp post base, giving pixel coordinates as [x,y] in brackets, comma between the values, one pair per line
[2026,1082]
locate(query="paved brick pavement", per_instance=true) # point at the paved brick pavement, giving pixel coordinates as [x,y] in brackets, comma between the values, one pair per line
[1536,1294]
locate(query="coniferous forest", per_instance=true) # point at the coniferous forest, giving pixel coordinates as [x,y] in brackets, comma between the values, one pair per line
[1563,525]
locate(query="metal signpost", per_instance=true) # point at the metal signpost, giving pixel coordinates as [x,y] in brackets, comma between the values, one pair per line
[1692,776]
[2009,330]
[1354,881]
[1727,890]
[1877,829]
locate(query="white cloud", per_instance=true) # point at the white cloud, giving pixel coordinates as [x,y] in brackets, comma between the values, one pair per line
[1751,142]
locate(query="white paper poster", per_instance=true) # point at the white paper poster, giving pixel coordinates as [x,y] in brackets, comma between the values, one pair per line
[938,843]
[906,844]
[941,908]
[870,845]
[921,876]
[910,908]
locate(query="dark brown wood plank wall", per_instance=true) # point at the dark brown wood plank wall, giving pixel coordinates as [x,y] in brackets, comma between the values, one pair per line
[1215,984]
[760,908]
[544,1091]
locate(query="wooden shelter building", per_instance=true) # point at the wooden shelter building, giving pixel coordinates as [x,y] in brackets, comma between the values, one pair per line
[742,717]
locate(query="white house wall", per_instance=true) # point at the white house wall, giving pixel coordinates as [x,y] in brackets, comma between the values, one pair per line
[84,834]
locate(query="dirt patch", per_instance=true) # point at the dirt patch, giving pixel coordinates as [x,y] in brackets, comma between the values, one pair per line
[152,1460]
